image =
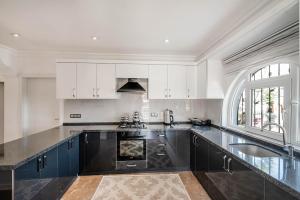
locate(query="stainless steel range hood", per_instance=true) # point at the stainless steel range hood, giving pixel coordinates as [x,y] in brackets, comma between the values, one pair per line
[132,85]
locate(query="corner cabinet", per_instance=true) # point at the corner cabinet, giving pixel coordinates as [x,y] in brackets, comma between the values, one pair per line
[210,80]
[85,81]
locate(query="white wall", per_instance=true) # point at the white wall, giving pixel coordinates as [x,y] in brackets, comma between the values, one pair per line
[112,110]
[40,106]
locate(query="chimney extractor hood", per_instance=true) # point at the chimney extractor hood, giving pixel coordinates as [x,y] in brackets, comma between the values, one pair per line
[132,86]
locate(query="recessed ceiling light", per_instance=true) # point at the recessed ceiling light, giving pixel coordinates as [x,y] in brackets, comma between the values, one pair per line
[94,38]
[15,35]
[167,41]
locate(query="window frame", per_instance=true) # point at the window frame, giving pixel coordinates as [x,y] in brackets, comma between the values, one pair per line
[247,84]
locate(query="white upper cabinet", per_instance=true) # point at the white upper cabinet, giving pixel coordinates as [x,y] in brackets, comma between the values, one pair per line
[158,82]
[106,81]
[177,82]
[86,81]
[167,82]
[131,71]
[66,81]
[210,80]
[191,82]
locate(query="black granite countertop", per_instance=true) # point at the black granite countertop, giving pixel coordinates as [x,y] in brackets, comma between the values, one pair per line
[282,171]
[17,152]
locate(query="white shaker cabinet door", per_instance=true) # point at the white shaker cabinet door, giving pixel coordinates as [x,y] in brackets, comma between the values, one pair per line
[106,81]
[177,81]
[191,82]
[158,82]
[66,81]
[86,81]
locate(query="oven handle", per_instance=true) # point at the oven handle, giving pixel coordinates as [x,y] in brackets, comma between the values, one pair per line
[131,165]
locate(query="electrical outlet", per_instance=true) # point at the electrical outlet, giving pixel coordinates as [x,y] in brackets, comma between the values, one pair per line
[153,114]
[75,115]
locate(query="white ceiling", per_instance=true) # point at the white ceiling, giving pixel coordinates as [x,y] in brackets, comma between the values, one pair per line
[123,26]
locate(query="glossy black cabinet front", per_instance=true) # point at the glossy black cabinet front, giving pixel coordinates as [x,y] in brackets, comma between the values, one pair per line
[49,174]
[98,152]
[273,192]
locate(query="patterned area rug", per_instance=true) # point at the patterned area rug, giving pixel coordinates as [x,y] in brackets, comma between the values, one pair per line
[137,187]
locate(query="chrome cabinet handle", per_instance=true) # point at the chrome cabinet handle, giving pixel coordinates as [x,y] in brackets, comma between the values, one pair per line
[73,94]
[188,93]
[224,162]
[161,135]
[160,154]
[44,161]
[86,139]
[162,144]
[94,92]
[169,92]
[166,93]
[228,166]
[39,164]
[131,165]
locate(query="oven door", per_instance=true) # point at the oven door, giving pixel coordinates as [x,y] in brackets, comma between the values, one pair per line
[131,149]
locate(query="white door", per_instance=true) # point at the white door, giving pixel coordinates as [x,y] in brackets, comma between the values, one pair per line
[177,82]
[191,82]
[106,81]
[158,82]
[86,80]
[66,80]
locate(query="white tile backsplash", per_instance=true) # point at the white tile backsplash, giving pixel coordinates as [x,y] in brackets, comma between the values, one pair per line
[111,110]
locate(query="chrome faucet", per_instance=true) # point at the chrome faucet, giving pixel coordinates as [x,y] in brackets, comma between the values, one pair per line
[286,147]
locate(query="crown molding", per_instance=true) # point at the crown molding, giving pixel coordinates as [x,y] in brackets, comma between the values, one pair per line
[260,14]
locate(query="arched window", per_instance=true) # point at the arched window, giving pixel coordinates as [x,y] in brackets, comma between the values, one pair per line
[264,97]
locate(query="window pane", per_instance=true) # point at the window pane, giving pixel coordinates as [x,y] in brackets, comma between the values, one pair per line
[284,69]
[257,75]
[256,108]
[274,70]
[267,104]
[241,113]
[265,72]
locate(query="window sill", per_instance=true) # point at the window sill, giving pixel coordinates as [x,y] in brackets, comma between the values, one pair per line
[260,137]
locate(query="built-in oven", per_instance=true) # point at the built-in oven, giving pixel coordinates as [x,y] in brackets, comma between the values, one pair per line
[131,146]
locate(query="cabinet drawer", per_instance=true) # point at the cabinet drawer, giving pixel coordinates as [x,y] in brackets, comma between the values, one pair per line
[130,165]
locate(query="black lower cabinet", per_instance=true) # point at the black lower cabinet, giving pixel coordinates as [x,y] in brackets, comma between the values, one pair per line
[98,152]
[6,184]
[68,163]
[273,192]
[36,179]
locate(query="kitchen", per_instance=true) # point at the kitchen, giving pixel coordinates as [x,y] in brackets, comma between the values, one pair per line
[204,107]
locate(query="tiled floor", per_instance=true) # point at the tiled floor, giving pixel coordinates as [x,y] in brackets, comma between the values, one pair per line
[85,186]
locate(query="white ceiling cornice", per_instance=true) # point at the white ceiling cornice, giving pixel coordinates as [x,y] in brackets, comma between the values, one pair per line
[263,12]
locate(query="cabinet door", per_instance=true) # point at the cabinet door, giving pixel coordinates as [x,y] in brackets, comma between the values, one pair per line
[192,153]
[240,178]
[273,192]
[202,80]
[158,82]
[49,175]
[99,151]
[218,179]
[201,163]
[74,156]
[177,82]
[131,71]
[64,174]
[183,149]
[66,80]
[86,80]
[191,82]
[27,180]
[106,81]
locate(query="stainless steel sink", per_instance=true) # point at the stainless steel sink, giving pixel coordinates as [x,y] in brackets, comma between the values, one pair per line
[255,150]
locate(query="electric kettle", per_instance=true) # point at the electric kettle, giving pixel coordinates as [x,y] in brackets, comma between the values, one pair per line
[168,117]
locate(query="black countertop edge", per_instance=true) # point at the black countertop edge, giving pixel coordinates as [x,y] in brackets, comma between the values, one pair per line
[283,186]
[115,123]
[257,140]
